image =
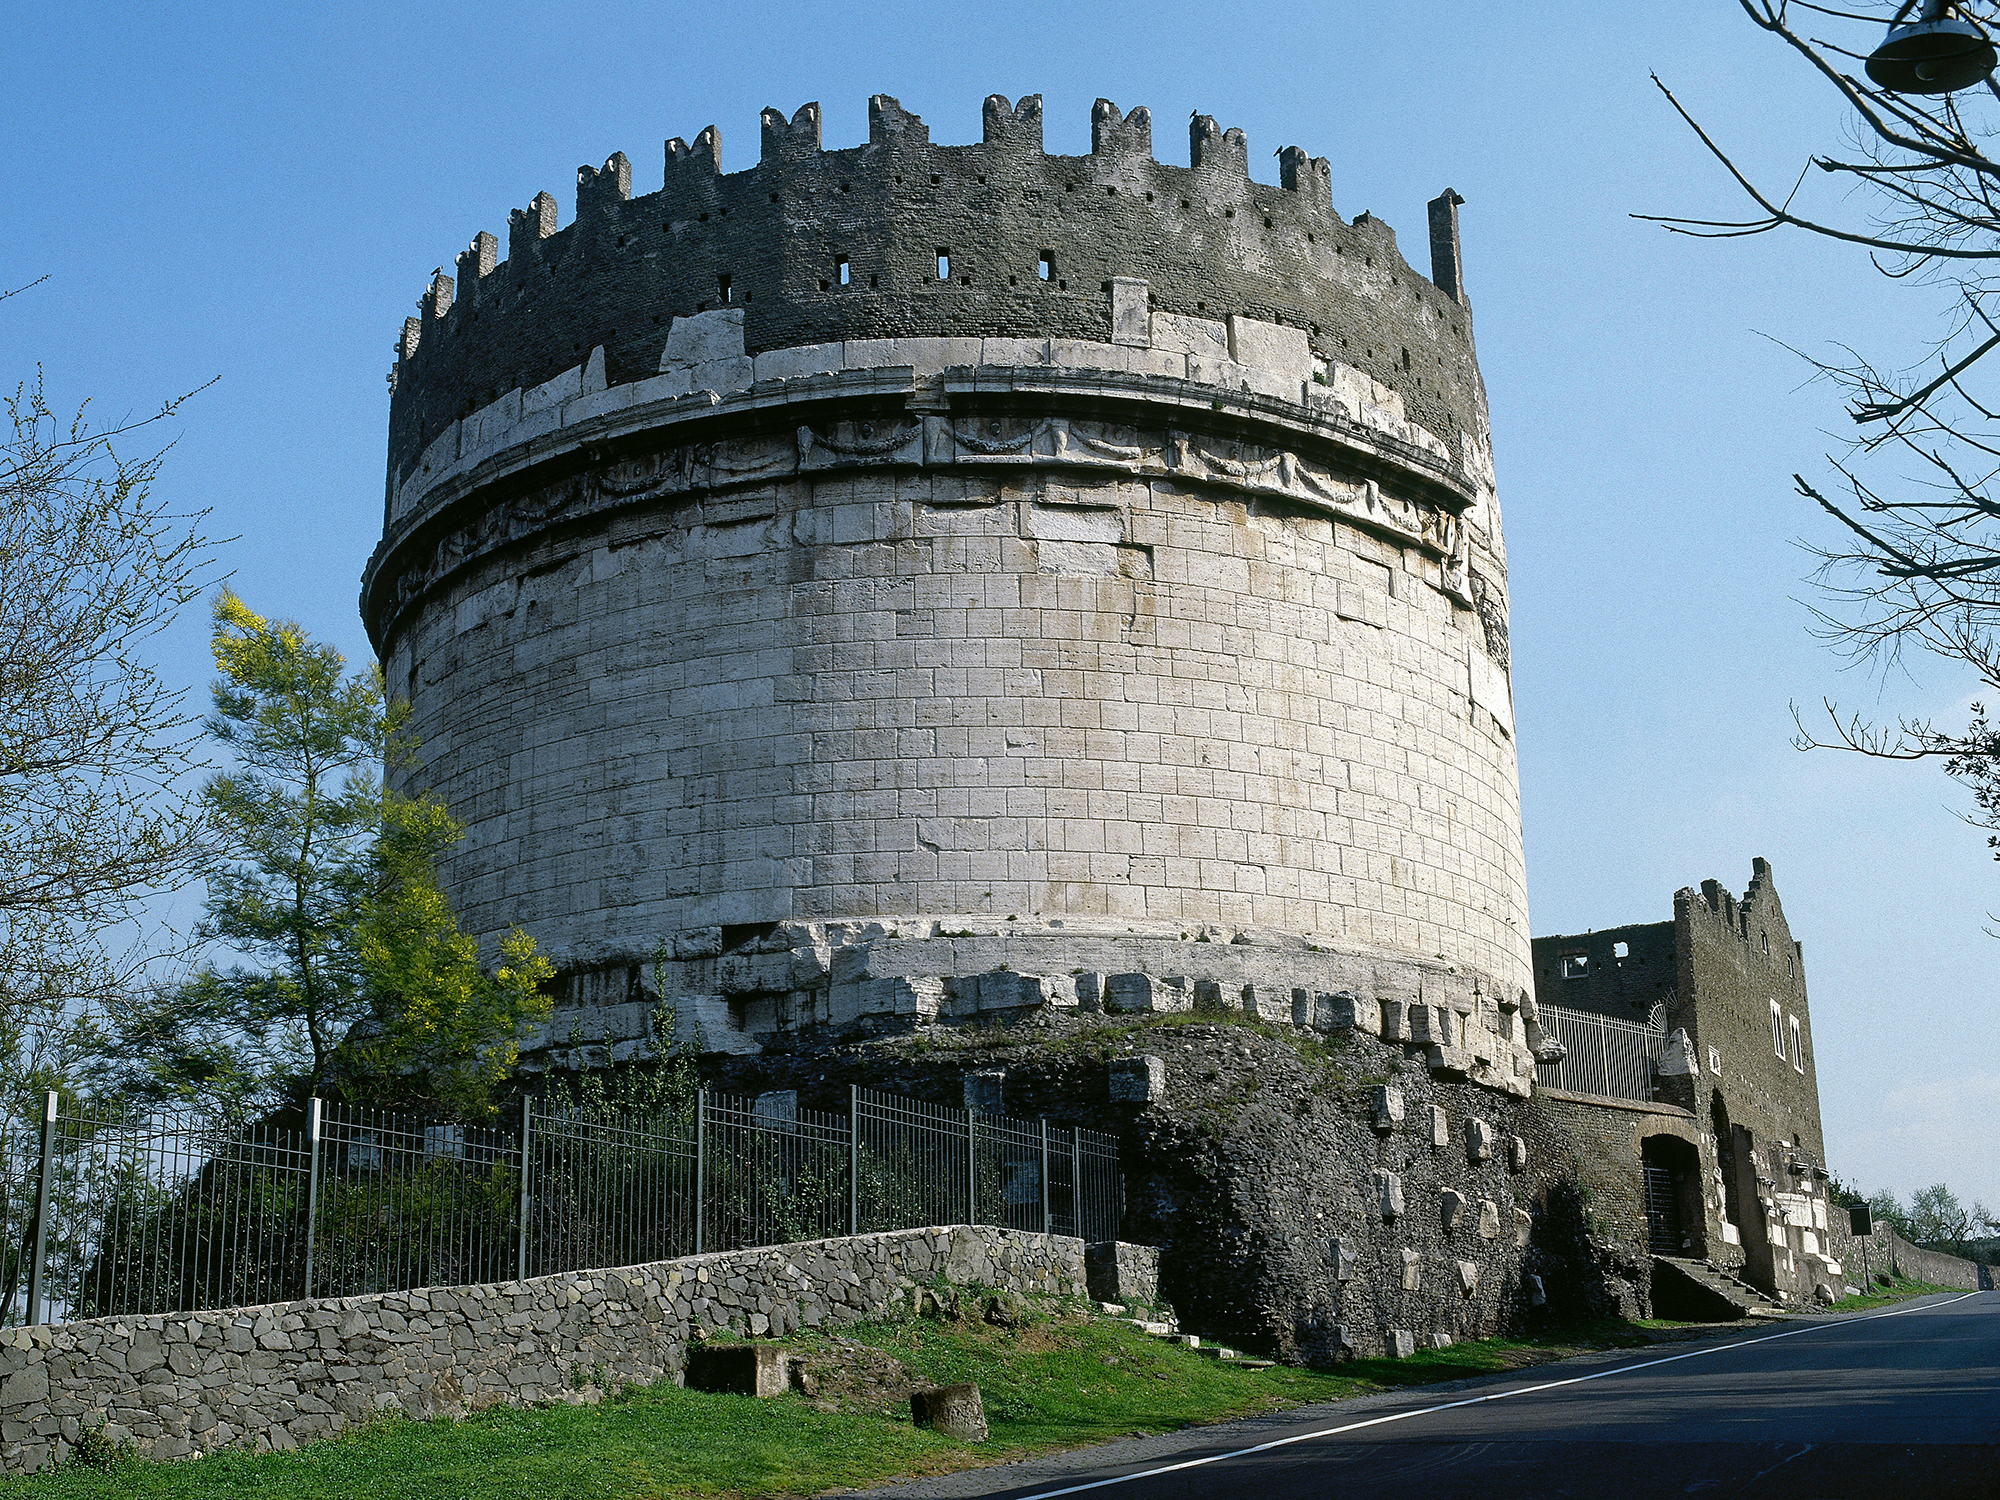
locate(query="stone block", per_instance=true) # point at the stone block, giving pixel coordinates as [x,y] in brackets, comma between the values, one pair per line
[1395,1020]
[1138,1080]
[698,942]
[1489,1219]
[953,1410]
[1388,1108]
[1118,1272]
[1401,1343]
[1537,1294]
[1440,1126]
[1441,1341]
[909,998]
[1451,1209]
[760,1370]
[1207,337]
[1413,1270]
[1388,1194]
[1468,1277]
[1341,1261]
[1281,350]
[1131,312]
[1433,1025]
[1517,1154]
[1524,1227]
[1478,1140]
[780,1108]
[983,1090]
[703,338]
[1146,992]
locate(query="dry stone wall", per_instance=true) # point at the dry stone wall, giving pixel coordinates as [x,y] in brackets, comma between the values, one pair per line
[272,1377]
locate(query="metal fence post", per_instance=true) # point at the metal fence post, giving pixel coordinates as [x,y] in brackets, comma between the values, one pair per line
[1076,1181]
[971,1167]
[522,1210]
[40,1235]
[312,1187]
[700,1164]
[1047,1227]
[854,1158]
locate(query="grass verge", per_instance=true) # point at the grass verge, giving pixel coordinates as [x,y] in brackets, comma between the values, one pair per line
[1063,1379]
[1885,1290]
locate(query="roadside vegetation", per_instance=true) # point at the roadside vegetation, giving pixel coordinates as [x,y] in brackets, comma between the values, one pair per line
[1061,1378]
[1888,1289]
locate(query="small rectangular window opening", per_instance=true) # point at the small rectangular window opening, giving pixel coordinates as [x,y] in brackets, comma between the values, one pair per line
[944,264]
[722,289]
[1621,950]
[1798,1053]
[846,273]
[1575,965]
[1777,1029]
[1048,268]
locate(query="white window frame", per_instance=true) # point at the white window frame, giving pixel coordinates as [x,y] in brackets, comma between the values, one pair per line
[1798,1053]
[1777,1029]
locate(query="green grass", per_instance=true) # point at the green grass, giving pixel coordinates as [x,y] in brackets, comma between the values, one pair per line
[1885,1290]
[1065,1379]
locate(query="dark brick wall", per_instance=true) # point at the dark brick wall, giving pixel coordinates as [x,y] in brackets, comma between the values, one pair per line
[1606,983]
[1736,959]
[1209,240]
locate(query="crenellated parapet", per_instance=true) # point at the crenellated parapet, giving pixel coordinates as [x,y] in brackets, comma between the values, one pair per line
[900,239]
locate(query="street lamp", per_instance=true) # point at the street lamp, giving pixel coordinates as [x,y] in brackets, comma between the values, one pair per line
[1938,53]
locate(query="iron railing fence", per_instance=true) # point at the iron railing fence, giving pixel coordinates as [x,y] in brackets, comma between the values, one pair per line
[110,1210]
[1604,1055]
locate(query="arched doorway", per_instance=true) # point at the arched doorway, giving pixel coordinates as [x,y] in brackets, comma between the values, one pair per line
[1672,1194]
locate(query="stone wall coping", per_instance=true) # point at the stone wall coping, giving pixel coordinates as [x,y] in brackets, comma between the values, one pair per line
[1605,1101]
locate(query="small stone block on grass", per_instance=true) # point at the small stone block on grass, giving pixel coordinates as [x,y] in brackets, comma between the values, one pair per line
[1402,1343]
[739,1369]
[953,1410]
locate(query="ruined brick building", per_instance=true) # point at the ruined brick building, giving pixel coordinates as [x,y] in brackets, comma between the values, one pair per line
[1725,1154]
[916,610]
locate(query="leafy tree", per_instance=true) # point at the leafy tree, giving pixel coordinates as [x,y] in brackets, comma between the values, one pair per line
[94,743]
[330,885]
[1914,498]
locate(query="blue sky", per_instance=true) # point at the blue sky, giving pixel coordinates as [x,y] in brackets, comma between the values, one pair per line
[260,193]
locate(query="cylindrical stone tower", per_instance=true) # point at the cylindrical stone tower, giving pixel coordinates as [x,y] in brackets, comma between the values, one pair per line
[915,581]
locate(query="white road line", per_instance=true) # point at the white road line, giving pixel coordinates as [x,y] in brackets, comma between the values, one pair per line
[1526,1390]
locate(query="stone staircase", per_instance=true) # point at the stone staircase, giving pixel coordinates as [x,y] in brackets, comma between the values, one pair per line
[1700,1290]
[1169,1331]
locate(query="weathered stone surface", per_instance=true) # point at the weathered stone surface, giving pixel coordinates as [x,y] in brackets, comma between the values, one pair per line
[1489,1219]
[1478,1140]
[1341,1260]
[1388,1108]
[1388,1195]
[1440,1126]
[1402,1343]
[1120,1272]
[954,1410]
[1138,1080]
[984,1089]
[1451,1209]
[1413,1269]
[1468,1276]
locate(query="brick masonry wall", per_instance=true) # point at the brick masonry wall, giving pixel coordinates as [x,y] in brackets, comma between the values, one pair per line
[272,1377]
[1209,240]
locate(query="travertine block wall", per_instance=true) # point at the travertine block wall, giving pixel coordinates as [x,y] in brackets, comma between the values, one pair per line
[1043,699]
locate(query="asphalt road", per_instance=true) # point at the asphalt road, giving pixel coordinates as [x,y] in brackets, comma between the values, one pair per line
[1902,1402]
